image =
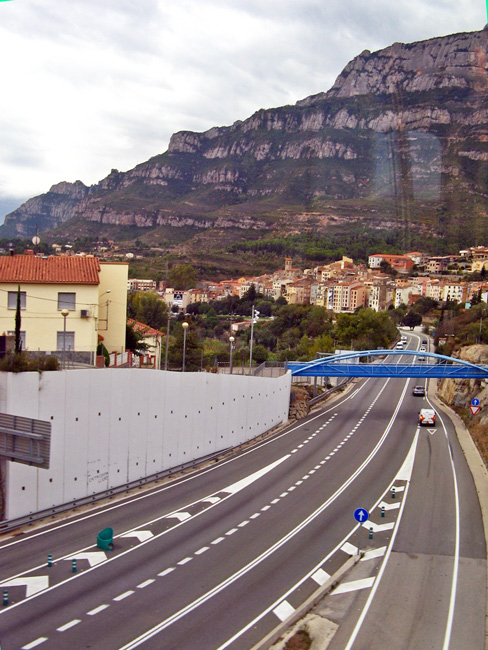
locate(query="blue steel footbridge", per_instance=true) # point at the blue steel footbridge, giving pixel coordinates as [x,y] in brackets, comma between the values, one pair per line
[374,363]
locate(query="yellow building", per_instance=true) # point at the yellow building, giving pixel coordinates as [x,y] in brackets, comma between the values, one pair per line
[66,302]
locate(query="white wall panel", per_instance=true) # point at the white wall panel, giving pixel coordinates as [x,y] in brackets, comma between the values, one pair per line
[113,426]
[171,451]
[74,431]
[155,423]
[99,413]
[139,400]
[119,428]
[52,406]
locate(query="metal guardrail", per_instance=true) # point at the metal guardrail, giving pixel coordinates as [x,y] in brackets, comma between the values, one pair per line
[10,524]
[325,394]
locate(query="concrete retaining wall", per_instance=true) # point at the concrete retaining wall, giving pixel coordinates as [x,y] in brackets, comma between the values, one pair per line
[113,426]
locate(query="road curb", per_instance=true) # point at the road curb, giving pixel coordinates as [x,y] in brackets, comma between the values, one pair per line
[478,471]
[307,605]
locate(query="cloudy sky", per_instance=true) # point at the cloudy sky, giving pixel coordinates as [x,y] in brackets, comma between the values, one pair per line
[91,85]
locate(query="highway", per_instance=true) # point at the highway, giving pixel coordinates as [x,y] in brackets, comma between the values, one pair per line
[218,558]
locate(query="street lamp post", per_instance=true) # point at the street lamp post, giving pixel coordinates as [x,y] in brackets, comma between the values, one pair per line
[231,341]
[185,327]
[64,314]
[254,319]
[167,345]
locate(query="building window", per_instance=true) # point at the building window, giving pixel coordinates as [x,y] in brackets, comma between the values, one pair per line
[12,299]
[69,341]
[66,300]
[22,337]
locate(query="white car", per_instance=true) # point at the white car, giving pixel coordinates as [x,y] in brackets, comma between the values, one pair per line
[427,417]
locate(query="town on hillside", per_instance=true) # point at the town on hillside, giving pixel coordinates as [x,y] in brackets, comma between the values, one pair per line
[79,308]
[343,286]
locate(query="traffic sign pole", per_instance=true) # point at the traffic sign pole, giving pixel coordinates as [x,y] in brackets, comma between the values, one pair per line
[360,515]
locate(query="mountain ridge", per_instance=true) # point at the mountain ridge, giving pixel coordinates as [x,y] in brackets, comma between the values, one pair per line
[405,127]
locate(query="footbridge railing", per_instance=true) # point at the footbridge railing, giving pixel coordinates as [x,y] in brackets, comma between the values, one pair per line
[372,363]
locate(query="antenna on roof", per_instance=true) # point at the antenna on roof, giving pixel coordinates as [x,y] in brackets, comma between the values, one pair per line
[36,240]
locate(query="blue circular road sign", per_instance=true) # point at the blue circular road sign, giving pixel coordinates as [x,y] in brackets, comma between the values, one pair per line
[475,402]
[361,514]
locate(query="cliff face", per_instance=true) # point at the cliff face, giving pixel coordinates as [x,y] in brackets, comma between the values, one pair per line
[407,125]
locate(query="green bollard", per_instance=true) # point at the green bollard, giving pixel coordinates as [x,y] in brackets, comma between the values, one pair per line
[370,533]
[393,492]
[5,597]
[382,511]
[73,565]
[49,559]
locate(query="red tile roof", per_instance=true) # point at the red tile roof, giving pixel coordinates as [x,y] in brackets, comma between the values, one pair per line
[50,270]
[142,328]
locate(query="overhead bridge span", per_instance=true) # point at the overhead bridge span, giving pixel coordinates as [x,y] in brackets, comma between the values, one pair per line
[388,363]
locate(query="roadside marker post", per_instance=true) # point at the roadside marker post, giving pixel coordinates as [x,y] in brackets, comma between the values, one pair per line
[49,562]
[382,511]
[393,493]
[73,565]
[5,597]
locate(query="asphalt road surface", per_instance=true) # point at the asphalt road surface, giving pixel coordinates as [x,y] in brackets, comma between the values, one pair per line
[218,558]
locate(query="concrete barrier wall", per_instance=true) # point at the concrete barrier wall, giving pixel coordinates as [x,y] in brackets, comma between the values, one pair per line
[113,426]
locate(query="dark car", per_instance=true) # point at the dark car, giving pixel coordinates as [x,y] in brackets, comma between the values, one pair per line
[418,390]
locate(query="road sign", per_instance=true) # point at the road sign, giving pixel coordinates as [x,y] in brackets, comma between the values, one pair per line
[475,401]
[474,409]
[361,514]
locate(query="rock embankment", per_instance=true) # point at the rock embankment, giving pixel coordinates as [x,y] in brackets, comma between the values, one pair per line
[458,393]
[299,403]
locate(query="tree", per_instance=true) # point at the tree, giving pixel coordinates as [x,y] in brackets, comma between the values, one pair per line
[259,353]
[134,340]
[183,277]
[412,319]
[148,308]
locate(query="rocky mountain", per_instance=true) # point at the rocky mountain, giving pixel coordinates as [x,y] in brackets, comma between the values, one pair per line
[399,141]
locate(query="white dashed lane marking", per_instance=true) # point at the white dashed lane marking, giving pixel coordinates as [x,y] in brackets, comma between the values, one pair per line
[97,610]
[35,643]
[126,594]
[200,551]
[284,610]
[354,585]
[166,572]
[320,577]
[146,583]
[67,626]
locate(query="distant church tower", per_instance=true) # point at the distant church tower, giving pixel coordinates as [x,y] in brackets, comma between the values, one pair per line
[288,265]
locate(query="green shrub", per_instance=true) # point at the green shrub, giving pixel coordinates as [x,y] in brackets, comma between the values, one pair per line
[23,362]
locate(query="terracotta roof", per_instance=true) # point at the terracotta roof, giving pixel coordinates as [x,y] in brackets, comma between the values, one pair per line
[50,270]
[143,329]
